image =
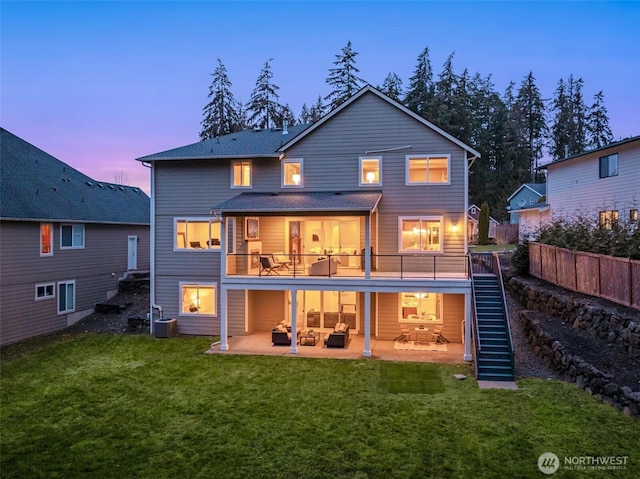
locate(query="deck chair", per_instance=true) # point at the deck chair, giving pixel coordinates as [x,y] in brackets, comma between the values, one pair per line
[196,244]
[281,261]
[405,334]
[267,266]
[437,336]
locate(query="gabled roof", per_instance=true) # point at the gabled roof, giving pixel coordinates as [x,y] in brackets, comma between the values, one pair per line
[256,143]
[369,89]
[539,189]
[363,202]
[36,186]
[615,144]
[475,217]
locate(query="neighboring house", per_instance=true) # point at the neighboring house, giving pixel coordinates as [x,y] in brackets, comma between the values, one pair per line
[473,217]
[365,212]
[602,184]
[65,240]
[528,208]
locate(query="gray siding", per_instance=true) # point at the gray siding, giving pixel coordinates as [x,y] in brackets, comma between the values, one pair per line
[105,252]
[266,309]
[574,187]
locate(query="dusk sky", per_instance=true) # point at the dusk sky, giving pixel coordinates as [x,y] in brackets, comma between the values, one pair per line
[98,84]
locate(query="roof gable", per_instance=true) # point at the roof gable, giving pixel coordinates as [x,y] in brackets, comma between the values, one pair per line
[36,186]
[368,89]
[539,189]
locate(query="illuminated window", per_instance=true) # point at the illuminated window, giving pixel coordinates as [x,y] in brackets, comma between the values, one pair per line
[66,297]
[292,171]
[633,215]
[241,174]
[199,299]
[609,166]
[46,239]
[420,307]
[427,169]
[71,236]
[420,234]
[197,234]
[370,171]
[607,218]
[45,291]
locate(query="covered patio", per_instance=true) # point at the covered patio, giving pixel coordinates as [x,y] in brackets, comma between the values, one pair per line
[259,343]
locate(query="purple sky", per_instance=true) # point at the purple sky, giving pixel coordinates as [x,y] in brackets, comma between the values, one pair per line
[98,84]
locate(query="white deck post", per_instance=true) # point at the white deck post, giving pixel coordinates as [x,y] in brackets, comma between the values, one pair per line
[367,247]
[294,321]
[468,326]
[367,325]
[224,344]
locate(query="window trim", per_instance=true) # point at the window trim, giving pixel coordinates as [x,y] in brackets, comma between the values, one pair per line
[45,296]
[241,186]
[439,219]
[407,162]
[73,227]
[208,284]
[66,283]
[417,321]
[50,253]
[195,219]
[282,167]
[361,159]
[608,164]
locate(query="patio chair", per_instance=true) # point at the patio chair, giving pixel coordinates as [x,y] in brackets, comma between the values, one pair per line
[437,336]
[281,261]
[267,266]
[405,334]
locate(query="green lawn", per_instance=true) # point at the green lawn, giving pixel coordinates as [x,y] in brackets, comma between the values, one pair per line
[134,406]
[490,248]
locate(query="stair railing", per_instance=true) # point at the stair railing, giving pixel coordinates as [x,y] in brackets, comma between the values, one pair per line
[495,265]
[474,318]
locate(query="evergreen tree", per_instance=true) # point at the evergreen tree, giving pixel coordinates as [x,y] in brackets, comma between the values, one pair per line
[317,111]
[222,114]
[392,86]
[598,123]
[529,112]
[560,129]
[284,114]
[483,224]
[419,97]
[343,77]
[569,126]
[445,88]
[264,107]
[305,114]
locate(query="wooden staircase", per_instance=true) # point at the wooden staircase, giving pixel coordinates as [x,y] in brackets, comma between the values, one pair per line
[494,352]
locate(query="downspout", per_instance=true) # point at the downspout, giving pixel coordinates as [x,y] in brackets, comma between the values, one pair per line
[152,251]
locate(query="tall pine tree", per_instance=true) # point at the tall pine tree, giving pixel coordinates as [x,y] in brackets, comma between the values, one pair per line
[598,128]
[343,78]
[223,114]
[392,86]
[419,97]
[569,124]
[264,108]
[529,113]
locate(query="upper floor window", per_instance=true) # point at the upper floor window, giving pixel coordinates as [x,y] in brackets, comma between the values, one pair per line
[46,239]
[292,171]
[609,166]
[198,298]
[241,174]
[197,234]
[426,169]
[71,236]
[45,291]
[420,234]
[607,218]
[370,171]
[66,297]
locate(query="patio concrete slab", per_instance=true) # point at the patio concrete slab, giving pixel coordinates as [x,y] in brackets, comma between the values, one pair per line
[497,385]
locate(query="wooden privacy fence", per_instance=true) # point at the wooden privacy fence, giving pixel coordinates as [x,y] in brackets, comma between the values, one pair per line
[608,277]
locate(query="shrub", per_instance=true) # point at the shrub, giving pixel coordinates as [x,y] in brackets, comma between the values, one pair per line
[520,258]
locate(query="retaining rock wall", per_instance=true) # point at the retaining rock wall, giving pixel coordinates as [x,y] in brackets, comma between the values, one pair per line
[574,369]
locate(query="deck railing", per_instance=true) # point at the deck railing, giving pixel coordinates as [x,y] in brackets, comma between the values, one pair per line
[344,265]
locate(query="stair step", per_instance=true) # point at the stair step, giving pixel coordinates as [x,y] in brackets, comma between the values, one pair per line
[496,377]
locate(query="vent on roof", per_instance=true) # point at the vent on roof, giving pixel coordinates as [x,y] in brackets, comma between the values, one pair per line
[257,129]
[111,187]
[89,183]
[101,186]
[120,188]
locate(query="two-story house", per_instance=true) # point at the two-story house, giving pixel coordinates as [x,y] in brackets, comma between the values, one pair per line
[65,240]
[527,207]
[602,184]
[364,213]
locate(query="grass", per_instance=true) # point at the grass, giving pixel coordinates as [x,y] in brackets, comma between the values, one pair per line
[135,406]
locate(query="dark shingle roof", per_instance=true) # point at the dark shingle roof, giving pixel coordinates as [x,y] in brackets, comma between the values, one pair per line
[246,144]
[35,185]
[323,201]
